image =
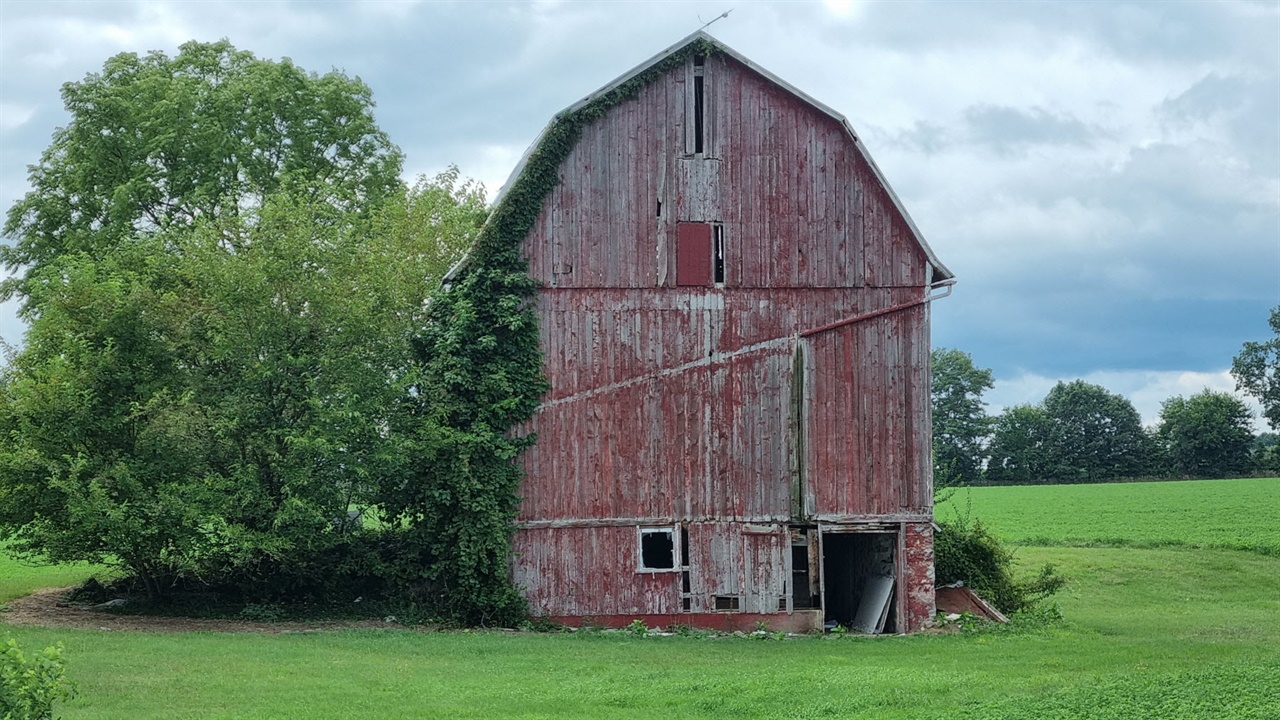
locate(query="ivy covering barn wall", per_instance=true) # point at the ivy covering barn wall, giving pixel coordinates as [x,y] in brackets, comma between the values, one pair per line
[483,376]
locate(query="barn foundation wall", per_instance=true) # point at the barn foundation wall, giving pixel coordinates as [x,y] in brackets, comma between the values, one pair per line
[918,576]
[801,621]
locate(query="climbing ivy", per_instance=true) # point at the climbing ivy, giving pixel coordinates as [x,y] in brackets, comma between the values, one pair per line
[482,378]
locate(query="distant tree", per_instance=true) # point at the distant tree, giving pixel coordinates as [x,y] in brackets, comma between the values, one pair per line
[1080,433]
[1257,371]
[1096,434]
[961,427]
[1206,435]
[1020,447]
[1264,452]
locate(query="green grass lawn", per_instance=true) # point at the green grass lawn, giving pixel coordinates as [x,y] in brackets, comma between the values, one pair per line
[1172,632]
[1219,514]
[19,578]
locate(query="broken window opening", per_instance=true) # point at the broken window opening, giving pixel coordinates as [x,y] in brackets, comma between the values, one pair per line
[684,547]
[726,602]
[718,254]
[657,549]
[803,596]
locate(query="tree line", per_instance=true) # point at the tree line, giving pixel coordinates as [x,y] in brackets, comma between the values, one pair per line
[1082,433]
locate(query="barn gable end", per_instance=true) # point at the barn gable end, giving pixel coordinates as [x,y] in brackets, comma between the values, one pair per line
[734,322]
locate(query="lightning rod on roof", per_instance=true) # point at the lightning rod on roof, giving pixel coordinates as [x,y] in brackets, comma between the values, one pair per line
[721,16]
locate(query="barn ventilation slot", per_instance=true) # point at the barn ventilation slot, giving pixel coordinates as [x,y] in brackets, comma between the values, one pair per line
[699,64]
[727,602]
[718,254]
[686,587]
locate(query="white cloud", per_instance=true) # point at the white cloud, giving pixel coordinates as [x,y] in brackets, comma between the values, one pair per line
[13,115]
[1146,389]
[844,9]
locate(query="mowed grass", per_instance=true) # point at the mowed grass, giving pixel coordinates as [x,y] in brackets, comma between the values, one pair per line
[1217,514]
[1172,632]
[18,578]
[1151,634]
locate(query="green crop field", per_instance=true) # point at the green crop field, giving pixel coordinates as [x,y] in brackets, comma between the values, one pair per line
[1150,632]
[1217,514]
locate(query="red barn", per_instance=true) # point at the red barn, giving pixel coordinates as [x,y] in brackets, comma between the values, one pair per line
[735,325]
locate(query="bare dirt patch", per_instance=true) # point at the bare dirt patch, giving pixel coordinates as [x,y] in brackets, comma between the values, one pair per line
[46,608]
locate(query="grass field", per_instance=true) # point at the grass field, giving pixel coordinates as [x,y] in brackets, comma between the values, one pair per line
[1162,632]
[1217,514]
[18,578]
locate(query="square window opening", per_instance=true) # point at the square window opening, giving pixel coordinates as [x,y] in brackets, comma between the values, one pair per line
[657,549]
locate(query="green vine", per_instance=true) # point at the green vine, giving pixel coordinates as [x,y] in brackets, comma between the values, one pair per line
[483,376]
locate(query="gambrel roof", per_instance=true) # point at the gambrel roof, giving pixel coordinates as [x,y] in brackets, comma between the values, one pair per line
[940,272]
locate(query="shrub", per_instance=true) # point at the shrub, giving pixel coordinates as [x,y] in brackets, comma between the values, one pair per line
[966,551]
[29,685]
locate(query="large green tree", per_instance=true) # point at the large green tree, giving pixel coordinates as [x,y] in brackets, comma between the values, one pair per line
[209,402]
[1206,435]
[226,285]
[1257,371]
[961,427]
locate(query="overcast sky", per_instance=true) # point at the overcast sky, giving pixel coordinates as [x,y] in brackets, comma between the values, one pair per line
[1102,177]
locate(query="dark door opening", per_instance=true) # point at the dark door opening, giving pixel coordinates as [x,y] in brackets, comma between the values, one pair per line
[859,572]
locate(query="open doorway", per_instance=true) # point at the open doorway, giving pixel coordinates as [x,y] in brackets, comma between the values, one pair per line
[859,578]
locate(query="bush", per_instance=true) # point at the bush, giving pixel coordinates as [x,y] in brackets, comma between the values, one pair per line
[30,685]
[965,551]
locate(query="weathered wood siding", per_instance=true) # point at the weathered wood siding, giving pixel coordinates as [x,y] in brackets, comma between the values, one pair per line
[869,448]
[592,571]
[676,404]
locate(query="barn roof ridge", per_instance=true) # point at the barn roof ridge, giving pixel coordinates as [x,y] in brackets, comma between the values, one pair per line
[940,271]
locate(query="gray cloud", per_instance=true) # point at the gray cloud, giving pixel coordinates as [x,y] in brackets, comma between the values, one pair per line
[1103,177]
[1007,129]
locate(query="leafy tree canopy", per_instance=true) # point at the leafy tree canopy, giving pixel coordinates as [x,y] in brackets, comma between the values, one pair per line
[1257,371]
[1206,435]
[1021,443]
[1080,433]
[155,143]
[187,411]
[1097,434]
[961,426]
